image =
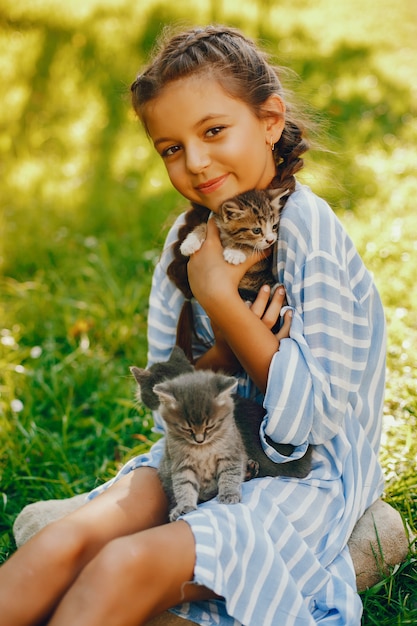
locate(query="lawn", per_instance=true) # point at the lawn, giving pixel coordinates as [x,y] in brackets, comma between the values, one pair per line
[85,205]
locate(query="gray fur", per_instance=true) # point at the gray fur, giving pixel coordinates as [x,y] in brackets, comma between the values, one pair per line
[147,378]
[199,460]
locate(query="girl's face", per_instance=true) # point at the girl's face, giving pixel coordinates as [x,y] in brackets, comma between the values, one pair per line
[213,145]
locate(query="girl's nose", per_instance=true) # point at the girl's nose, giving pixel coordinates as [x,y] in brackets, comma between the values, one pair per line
[197,158]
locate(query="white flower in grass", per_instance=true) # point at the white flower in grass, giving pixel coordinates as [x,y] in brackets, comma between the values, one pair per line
[16,405]
[36,352]
[8,340]
[91,242]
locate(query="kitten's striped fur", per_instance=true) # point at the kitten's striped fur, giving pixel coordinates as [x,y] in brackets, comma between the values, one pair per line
[248,222]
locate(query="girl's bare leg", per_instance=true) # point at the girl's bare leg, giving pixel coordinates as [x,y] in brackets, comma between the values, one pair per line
[34,579]
[134,578]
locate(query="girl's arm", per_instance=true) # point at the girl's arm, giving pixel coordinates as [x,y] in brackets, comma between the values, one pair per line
[246,331]
[221,357]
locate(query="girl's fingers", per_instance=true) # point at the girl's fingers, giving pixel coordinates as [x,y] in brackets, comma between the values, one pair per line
[284,331]
[273,310]
[261,302]
[268,309]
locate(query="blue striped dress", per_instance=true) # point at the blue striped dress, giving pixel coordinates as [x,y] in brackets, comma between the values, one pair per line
[280,557]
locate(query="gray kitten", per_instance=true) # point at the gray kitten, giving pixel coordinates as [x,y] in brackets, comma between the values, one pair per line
[158,372]
[248,222]
[199,460]
[212,440]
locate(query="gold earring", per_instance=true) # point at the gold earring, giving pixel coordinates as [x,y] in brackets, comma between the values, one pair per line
[272,145]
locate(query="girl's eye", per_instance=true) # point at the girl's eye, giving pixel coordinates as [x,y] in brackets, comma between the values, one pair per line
[256,231]
[212,132]
[169,151]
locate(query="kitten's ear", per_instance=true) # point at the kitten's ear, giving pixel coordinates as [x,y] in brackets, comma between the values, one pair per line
[230,210]
[225,386]
[140,374]
[178,357]
[177,352]
[165,395]
[275,196]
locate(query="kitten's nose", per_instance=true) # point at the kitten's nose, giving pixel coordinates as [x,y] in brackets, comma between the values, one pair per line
[199,437]
[270,239]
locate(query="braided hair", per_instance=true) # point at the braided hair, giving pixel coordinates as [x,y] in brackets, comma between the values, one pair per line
[245,73]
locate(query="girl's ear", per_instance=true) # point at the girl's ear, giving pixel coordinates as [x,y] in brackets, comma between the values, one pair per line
[273,111]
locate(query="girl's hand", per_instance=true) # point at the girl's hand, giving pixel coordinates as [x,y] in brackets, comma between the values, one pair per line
[210,276]
[269,310]
[221,356]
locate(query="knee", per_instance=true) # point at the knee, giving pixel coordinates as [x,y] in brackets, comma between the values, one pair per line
[62,542]
[125,557]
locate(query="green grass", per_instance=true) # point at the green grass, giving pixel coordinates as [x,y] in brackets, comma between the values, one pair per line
[84,208]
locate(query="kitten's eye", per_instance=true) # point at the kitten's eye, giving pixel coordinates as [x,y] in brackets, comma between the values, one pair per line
[257,231]
[187,431]
[275,227]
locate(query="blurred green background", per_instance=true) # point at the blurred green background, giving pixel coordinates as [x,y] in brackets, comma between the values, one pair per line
[85,203]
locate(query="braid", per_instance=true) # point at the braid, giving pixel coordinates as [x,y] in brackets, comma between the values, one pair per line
[200,38]
[177,272]
[288,151]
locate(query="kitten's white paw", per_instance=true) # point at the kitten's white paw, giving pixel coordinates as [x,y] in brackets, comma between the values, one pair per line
[180,510]
[229,498]
[235,257]
[190,245]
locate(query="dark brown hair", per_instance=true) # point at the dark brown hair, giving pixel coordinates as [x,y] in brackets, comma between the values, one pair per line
[244,72]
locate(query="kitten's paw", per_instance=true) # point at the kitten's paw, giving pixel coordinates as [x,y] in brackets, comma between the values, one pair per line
[190,245]
[229,498]
[252,469]
[235,257]
[180,510]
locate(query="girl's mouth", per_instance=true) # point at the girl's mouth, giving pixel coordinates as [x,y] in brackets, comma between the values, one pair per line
[211,185]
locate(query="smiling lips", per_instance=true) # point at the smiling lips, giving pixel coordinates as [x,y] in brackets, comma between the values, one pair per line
[211,185]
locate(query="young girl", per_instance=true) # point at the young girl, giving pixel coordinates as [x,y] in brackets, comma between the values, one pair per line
[215,110]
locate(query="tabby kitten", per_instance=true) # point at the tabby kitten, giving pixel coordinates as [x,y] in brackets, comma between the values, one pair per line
[211,432]
[248,222]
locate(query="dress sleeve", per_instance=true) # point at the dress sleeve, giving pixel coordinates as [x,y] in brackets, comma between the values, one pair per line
[318,369]
[165,303]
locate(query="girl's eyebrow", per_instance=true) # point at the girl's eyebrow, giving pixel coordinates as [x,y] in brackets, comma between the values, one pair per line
[161,140]
[207,118]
